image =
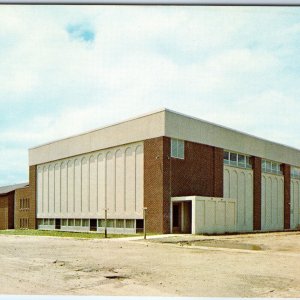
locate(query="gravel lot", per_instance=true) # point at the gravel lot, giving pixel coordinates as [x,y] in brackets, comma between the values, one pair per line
[252,265]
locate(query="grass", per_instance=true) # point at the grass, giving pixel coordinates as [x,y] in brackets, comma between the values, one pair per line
[80,235]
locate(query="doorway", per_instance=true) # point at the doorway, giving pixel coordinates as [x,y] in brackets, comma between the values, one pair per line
[93,224]
[182,217]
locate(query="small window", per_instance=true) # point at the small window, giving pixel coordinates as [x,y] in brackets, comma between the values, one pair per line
[110,223]
[177,148]
[78,222]
[268,166]
[101,223]
[129,223]
[241,160]
[295,172]
[51,221]
[233,159]
[64,222]
[46,221]
[85,223]
[120,224]
[70,222]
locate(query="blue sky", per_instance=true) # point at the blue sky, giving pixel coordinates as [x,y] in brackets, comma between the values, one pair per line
[68,69]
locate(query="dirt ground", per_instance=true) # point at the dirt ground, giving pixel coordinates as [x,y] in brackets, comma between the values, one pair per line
[252,265]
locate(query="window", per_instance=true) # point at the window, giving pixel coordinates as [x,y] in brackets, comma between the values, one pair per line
[120,224]
[268,166]
[129,223]
[177,148]
[78,222]
[64,222]
[85,223]
[236,160]
[70,222]
[295,172]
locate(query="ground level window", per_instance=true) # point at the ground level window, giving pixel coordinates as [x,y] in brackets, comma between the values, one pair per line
[129,223]
[64,222]
[120,224]
[85,223]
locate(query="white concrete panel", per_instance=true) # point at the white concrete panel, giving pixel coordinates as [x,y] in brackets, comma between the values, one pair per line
[120,181]
[39,189]
[57,202]
[85,186]
[70,203]
[129,179]
[77,188]
[110,183]
[101,161]
[238,184]
[51,189]
[272,202]
[93,185]
[64,188]
[139,169]
[45,205]
[295,203]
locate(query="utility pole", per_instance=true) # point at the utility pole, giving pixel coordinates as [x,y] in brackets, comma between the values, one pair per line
[105,228]
[144,215]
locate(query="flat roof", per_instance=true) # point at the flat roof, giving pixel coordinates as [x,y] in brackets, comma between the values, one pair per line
[164,122]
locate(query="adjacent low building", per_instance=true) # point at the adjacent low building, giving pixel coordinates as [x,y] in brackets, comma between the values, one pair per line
[11,198]
[191,175]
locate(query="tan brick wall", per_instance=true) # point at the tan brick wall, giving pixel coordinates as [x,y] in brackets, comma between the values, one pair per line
[7,211]
[200,173]
[32,191]
[22,213]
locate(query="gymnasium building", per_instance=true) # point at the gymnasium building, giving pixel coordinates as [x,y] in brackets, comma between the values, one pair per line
[187,175]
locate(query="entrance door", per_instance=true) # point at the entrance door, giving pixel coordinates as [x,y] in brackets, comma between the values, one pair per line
[57,223]
[176,217]
[93,224]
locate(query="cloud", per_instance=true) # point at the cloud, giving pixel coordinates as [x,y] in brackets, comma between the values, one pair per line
[82,32]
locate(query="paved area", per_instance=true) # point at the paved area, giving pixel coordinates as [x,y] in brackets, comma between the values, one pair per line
[252,265]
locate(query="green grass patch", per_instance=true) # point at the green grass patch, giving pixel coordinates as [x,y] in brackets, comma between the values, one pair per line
[80,235]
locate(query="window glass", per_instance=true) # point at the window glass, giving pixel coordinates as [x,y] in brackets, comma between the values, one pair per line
[64,222]
[233,158]
[226,155]
[174,149]
[241,160]
[268,166]
[120,224]
[78,222]
[129,223]
[46,221]
[177,148]
[51,221]
[70,222]
[85,223]
[110,223]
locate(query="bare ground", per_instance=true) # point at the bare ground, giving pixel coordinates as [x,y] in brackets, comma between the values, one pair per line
[252,265]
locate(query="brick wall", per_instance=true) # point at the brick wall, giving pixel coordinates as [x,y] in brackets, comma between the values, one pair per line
[22,213]
[256,165]
[32,192]
[199,173]
[7,211]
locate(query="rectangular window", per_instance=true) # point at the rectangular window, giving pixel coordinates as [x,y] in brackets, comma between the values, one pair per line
[78,222]
[237,160]
[295,172]
[64,222]
[129,223]
[241,160]
[177,148]
[101,223]
[120,224]
[110,223]
[268,166]
[70,222]
[85,223]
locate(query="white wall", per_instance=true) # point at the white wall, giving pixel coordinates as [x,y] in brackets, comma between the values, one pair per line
[213,215]
[272,202]
[238,184]
[295,203]
[82,186]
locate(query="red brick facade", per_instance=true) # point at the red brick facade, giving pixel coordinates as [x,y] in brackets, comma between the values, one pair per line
[256,164]
[199,173]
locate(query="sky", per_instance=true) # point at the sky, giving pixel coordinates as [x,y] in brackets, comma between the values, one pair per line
[69,69]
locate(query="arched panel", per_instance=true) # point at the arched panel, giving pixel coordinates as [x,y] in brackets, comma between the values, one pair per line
[101,183]
[51,189]
[45,205]
[57,206]
[93,184]
[85,185]
[119,157]
[70,203]
[129,180]
[77,188]
[110,183]
[139,175]
[64,187]
[39,191]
